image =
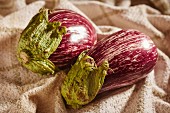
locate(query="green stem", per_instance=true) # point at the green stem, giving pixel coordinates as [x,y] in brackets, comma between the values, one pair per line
[38,41]
[83,81]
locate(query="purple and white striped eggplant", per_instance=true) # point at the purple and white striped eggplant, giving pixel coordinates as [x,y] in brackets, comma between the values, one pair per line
[131,55]
[80,36]
[121,59]
[54,39]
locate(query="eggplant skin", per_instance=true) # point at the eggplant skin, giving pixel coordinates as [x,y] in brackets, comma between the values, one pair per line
[80,36]
[131,56]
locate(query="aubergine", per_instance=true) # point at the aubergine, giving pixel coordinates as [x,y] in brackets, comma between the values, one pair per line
[53,39]
[131,55]
[121,59]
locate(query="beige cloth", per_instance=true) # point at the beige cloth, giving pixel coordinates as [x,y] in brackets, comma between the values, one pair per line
[9,6]
[22,91]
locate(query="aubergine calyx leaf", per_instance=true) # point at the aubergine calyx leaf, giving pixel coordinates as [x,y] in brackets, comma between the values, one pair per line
[83,81]
[38,41]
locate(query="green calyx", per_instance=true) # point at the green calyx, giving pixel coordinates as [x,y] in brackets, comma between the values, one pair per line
[83,81]
[38,41]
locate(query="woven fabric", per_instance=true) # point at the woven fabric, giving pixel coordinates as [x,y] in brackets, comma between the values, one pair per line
[22,91]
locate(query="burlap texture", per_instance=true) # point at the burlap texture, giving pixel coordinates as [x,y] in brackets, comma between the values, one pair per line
[22,91]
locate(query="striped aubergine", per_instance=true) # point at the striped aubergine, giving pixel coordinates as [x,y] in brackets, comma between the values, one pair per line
[53,39]
[131,56]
